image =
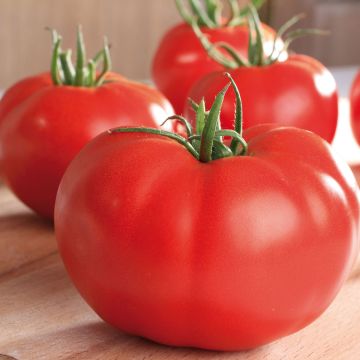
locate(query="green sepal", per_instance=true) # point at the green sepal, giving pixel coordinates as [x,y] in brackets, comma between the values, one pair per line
[207,143]
[211,126]
[84,74]
[256,54]
[200,117]
[210,13]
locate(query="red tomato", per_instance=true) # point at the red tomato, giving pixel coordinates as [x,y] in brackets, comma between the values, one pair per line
[298,92]
[355,107]
[224,255]
[42,127]
[180,60]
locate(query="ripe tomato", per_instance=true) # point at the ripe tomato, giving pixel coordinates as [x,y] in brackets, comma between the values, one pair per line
[225,255]
[180,60]
[43,126]
[298,92]
[355,107]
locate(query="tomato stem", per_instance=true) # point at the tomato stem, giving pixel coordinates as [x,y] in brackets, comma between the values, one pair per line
[67,67]
[256,45]
[202,14]
[200,117]
[91,72]
[207,143]
[55,57]
[213,52]
[236,141]
[235,13]
[282,30]
[214,11]
[107,63]
[80,60]
[83,74]
[239,60]
[208,133]
[164,133]
[183,121]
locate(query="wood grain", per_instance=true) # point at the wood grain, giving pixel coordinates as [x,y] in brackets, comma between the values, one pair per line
[42,317]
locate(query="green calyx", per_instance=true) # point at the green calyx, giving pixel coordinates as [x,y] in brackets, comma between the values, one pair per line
[208,13]
[228,57]
[84,73]
[206,141]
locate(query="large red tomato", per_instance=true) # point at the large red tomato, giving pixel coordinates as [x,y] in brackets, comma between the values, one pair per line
[298,92]
[43,126]
[180,60]
[355,107]
[228,254]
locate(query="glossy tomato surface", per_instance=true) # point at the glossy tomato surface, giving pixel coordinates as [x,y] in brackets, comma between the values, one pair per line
[180,60]
[226,255]
[42,128]
[355,107]
[298,92]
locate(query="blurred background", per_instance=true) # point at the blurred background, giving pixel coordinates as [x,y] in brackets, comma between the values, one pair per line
[135,27]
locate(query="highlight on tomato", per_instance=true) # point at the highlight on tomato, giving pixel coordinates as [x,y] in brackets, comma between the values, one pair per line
[298,91]
[46,119]
[180,60]
[355,107]
[192,241]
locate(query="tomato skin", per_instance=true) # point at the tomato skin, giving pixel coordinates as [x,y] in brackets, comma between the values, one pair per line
[226,255]
[180,60]
[298,92]
[42,128]
[19,92]
[355,107]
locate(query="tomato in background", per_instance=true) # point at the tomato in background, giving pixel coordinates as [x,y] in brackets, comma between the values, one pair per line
[45,120]
[188,242]
[180,60]
[298,91]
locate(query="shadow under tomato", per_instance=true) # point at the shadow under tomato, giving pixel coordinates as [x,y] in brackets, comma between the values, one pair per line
[24,219]
[6,357]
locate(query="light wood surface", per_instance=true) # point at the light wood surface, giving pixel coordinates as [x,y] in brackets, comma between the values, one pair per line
[43,318]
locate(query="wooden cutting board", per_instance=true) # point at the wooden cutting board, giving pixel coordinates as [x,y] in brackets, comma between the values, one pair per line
[42,317]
